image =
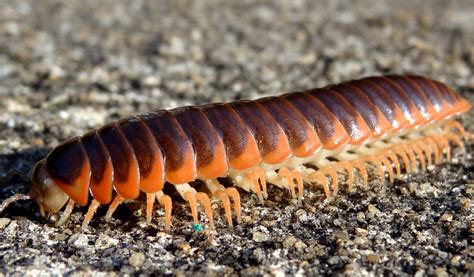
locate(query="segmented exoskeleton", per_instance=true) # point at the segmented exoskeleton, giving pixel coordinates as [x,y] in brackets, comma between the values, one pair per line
[393,124]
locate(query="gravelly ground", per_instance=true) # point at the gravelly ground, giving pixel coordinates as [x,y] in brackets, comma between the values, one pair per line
[67,67]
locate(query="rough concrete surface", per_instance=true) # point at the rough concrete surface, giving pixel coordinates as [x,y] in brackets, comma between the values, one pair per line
[69,66]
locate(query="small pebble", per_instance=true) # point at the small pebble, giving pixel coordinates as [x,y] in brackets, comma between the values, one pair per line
[456,260]
[137,259]
[447,217]
[4,222]
[300,245]
[361,232]
[360,216]
[372,209]
[259,237]
[441,272]
[334,260]
[362,241]
[289,242]
[184,246]
[342,235]
[375,259]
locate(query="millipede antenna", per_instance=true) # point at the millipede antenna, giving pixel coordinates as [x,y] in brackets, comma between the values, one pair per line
[13,198]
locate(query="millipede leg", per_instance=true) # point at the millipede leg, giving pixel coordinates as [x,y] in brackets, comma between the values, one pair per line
[218,190]
[256,187]
[448,149]
[90,213]
[261,179]
[66,213]
[334,180]
[226,203]
[444,146]
[150,200]
[203,198]
[427,151]
[455,138]
[420,155]
[187,193]
[453,124]
[167,203]
[362,171]
[347,166]
[318,177]
[441,147]
[189,196]
[411,156]
[234,194]
[258,182]
[434,148]
[287,180]
[117,201]
[393,157]
[377,165]
[388,167]
[400,151]
[298,178]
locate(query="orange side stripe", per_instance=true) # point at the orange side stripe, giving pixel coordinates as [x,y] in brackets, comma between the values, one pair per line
[102,192]
[250,157]
[79,190]
[185,173]
[218,167]
[281,151]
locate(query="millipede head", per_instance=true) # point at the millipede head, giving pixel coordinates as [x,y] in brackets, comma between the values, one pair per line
[45,191]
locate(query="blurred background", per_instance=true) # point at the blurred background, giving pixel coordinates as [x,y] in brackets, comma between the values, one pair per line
[74,65]
[68,66]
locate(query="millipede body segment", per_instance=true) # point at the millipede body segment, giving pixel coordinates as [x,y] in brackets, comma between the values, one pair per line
[389,125]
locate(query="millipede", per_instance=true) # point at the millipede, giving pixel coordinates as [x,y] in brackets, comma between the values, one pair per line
[327,139]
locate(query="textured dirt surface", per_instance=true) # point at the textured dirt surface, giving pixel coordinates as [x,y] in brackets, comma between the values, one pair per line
[68,67]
